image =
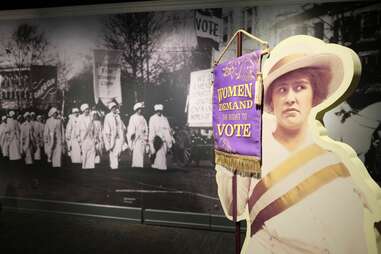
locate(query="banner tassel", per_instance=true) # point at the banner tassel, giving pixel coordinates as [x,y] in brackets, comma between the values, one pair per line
[258,89]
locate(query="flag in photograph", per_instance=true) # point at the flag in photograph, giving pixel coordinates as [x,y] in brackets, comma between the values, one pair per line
[107,70]
[44,85]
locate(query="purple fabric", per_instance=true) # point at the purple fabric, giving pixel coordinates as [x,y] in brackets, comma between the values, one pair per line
[236,119]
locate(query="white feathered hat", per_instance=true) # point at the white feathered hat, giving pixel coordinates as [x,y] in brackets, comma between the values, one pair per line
[52,111]
[158,107]
[84,107]
[138,105]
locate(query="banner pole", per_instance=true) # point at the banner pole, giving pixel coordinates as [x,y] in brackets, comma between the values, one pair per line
[234,184]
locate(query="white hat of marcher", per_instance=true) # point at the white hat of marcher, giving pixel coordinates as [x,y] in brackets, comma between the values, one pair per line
[158,107]
[84,107]
[75,110]
[301,51]
[26,114]
[52,111]
[11,113]
[32,113]
[138,105]
[3,118]
[111,105]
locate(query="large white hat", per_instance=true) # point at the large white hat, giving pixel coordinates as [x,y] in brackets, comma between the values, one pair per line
[75,110]
[111,105]
[301,51]
[11,113]
[32,113]
[138,105]
[52,111]
[84,107]
[158,107]
[26,114]
[3,118]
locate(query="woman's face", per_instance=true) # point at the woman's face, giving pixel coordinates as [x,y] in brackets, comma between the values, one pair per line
[292,96]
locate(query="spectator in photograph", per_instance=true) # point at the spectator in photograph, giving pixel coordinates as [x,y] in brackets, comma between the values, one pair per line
[113,135]
[86,133]
[38,131]
[160,138]
[137,135]
[97,136]
[27,141]
[301,181]
[4,142]
[13,132]
[73,139]
[54,138]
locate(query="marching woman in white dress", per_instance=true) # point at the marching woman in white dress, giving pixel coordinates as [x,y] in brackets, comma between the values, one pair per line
[159,133]
[54,138]
[13,132]
[27,142]
[137,135]
[86,132]
[4,144]
[113,135]
[73,139]
[38,131]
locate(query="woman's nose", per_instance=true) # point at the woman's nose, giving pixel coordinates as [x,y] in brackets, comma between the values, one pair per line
[290,96]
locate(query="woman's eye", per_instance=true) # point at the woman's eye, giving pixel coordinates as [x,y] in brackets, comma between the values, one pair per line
[281,90]
[300,87]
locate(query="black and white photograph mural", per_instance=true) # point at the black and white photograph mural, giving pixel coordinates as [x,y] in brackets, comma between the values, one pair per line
[116,109]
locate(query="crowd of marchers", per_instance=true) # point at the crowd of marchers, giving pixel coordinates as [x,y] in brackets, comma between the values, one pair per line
[86,136]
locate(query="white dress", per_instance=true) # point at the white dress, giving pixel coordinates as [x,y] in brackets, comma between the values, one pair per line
[13,131]
[113,137]
[73,139]
[86,132]
[138,128]
[38,132]
[53,140]
[159,126]
[4,144]
[27,141]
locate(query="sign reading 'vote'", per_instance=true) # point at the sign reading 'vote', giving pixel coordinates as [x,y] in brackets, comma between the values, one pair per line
[236,119]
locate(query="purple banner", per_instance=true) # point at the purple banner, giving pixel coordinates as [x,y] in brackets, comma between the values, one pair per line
[236,118]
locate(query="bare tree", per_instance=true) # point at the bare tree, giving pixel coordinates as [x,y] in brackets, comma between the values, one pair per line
[27,46]
[136,36]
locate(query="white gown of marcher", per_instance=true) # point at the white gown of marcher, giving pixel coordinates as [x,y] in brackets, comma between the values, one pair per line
[137,128]
[53,137]
[98,140]
[4,144]
[27,141]
[159,126]
[113,137]
[86,131]
[13,131]
[73,139]
[38,132]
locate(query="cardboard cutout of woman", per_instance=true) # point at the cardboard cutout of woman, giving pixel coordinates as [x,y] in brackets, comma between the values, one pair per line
[314,195]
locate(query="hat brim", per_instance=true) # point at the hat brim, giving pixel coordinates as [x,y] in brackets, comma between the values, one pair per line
[327,61]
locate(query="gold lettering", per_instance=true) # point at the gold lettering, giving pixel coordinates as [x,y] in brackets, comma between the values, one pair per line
[220,129]
[231,132]
[246,130]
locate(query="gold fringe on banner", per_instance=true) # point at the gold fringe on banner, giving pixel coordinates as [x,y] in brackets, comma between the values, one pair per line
[242,164]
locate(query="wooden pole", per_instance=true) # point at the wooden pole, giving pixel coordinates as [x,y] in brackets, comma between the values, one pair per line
[234,187]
